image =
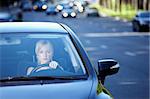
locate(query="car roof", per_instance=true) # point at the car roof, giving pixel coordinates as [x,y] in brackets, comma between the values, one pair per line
[6,27]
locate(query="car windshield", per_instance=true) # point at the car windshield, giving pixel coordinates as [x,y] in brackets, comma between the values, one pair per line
[28,55]
[145,14]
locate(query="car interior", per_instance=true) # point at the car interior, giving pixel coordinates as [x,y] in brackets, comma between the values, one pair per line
[16,60]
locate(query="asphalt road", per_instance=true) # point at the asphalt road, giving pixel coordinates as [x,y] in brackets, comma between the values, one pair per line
[110,38]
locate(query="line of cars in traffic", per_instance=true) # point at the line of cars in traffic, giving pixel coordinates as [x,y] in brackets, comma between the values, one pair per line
[140,23]
[65,8]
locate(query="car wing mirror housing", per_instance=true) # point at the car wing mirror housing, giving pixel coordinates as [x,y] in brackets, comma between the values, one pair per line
[107,67]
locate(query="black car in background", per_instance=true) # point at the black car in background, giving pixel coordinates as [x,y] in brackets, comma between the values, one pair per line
[141,22]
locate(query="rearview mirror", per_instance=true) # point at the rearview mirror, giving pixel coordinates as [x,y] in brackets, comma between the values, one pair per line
[107,67]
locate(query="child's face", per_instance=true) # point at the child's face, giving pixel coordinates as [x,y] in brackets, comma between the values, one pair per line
[44,54]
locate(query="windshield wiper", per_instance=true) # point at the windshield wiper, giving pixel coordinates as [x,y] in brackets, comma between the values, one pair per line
[31,78]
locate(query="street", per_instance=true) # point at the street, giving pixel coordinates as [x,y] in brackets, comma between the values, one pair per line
[105,37]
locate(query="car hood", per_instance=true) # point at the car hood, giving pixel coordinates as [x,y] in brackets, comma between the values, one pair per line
[73,90]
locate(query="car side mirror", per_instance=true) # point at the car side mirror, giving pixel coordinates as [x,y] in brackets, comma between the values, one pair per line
[107,67]
[137,16]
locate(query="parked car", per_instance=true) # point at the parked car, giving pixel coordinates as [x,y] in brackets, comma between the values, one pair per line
[92,12]
[141,22]
[72,77]
[51,10]
[66,13]
[6,17]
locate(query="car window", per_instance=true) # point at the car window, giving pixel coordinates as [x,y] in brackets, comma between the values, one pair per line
[18,54]
[145,15]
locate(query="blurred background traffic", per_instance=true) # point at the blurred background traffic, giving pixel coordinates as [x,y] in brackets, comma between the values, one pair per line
[107,28]
[131,10]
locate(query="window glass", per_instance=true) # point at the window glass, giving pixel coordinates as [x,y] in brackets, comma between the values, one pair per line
[38,55]
[145,15]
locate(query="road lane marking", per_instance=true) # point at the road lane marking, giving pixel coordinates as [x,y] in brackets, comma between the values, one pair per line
[141,52]
[90,48]
[135,53]
[128,83]
[129,53]
[114,34]
[103,46]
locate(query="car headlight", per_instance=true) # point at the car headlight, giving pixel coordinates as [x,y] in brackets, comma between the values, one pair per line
[65,14]
[71,4]
[59,7]
[35,7]
[80,9]
[73,14]
[44,7]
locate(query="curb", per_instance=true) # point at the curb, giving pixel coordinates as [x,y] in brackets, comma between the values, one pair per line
[116,18]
